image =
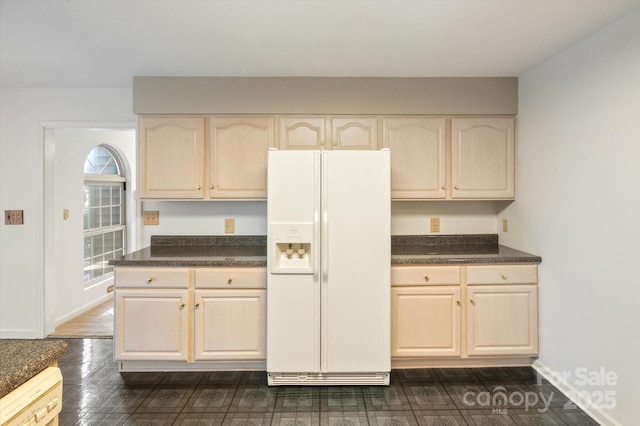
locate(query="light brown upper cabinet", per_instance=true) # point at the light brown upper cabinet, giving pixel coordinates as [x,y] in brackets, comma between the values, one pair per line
[171,157]
[418,156]
[483,158]
[475,160]
[238,156]
[176,163]
[312,132]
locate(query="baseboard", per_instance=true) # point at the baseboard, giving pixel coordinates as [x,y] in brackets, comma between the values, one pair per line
[19,334]
[597,414]
[81,310]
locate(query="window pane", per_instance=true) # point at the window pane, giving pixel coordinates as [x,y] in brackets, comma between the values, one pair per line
[115,195]
[115,216]
[108,242]
[105,216]
[119,240]
[94,218]
[87,247]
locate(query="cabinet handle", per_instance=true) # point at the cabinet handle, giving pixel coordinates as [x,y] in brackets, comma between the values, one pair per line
[444,186]
[335,143]
[321,143]
[472,301]
[426,277]
[211,186]
[198,187]
[229,281]
[182,305]
[149,279]
[457,187]
[458,302]
[197,304]
[503,276]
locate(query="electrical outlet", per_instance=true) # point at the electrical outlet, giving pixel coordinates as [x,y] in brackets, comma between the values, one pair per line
[229,226]
[14,217]
[505,225]
[151,217]
[434,224]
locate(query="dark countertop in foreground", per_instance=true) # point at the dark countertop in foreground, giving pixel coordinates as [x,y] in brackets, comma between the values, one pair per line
[194,251]
[251,251]
[20,360]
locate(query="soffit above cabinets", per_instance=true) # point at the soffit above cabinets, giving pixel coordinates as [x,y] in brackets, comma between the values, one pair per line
[325,95]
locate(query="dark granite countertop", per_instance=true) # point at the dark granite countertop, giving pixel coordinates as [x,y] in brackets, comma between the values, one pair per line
[199,251]
[454,249]
[20,360]
[247,251]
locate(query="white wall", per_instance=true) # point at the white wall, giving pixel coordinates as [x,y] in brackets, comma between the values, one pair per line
[72,146]
[22,115]
[456,217]
[407,218]
[205,218]
[579,208]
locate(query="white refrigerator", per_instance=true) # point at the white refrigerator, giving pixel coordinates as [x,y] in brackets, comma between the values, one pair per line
[329,256]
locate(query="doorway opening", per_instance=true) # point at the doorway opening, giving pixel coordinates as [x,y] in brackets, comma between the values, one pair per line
[90,218]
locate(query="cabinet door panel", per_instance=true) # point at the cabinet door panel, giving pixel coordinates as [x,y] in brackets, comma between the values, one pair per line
[238,156]
[483,157]
[230,325]
[502,320]
[171,157]
[151,325]
[418,156]
[302,132]
[354,133]
[425,321]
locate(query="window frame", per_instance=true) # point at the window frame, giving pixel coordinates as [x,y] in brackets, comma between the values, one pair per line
[97,179]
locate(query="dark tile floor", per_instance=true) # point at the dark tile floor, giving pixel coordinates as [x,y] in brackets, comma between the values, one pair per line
[94,393]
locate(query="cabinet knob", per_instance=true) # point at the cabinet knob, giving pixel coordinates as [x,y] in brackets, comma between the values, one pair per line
[197,304]
[211,186]
[149,279]
[457,187]
[458,302]
[426,277]
[444,186]
[503,276]
[335,143]
[198,187]
[182,305]
[472,301]
[321,143]
[229,281]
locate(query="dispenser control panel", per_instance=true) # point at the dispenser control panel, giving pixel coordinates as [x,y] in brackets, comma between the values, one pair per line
[293,252]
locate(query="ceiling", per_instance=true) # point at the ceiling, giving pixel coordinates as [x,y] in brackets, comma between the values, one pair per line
[104,43]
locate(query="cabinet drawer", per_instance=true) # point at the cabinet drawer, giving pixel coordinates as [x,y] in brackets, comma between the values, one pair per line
[425,275]
[152,277]
[231,278]
[502,274]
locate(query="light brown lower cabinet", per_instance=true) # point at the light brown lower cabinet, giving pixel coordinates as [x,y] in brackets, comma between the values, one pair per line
[181,318]
[480,312]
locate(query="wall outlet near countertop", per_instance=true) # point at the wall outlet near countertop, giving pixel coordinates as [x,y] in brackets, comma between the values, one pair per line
[229,226]
[434,224]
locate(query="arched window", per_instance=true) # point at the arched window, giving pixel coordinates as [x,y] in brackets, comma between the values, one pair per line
[104,219]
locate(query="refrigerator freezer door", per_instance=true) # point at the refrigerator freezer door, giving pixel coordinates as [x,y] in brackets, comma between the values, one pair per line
[293,300]
[356,255]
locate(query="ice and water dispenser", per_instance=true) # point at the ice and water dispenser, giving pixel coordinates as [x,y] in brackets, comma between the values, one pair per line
[293,251]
